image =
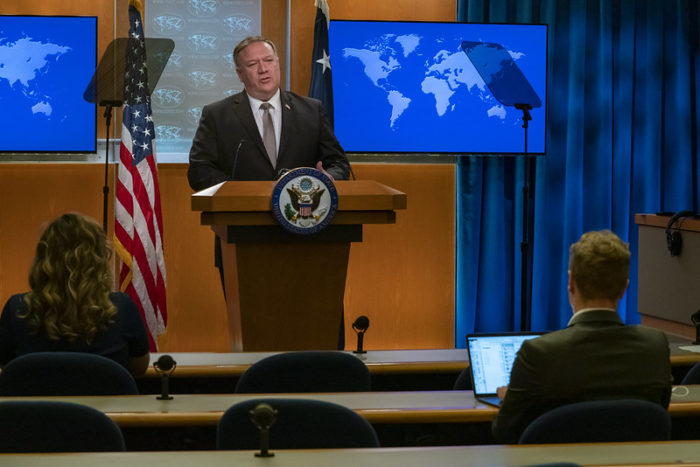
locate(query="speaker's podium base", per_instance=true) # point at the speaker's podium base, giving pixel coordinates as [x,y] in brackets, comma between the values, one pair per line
[285,291]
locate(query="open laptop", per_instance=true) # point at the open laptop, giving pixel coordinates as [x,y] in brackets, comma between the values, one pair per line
[491,358]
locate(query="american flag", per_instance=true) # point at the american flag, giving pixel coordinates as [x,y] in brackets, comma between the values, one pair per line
[138,228]
[321,86]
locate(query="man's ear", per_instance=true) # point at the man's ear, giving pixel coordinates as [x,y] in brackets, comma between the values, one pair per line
[572,285]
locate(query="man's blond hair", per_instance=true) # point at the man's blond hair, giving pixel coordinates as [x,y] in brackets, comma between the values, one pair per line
[600,264]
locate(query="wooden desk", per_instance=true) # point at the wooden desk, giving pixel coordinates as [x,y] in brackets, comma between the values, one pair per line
[648,454]
[685,401]
[379,362]
[683,352]
[206,409]
[377,407]
[203,364]
[391,370]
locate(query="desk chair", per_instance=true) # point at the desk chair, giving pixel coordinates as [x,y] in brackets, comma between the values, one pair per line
[300,424]
[693,375]
[463,381]
[65,374]
[305,371]
[600,421]
[49,426]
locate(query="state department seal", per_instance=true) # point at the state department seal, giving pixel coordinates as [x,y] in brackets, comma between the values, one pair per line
[304,201]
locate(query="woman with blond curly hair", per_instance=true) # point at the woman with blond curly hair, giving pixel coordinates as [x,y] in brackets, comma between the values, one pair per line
[70,306]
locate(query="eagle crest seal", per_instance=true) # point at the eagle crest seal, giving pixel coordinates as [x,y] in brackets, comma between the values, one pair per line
[304,200]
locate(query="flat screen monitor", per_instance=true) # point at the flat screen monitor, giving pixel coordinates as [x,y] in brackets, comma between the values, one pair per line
[46,62]
[426,87]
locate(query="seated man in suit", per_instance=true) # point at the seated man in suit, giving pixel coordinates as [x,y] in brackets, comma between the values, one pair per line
[596,356]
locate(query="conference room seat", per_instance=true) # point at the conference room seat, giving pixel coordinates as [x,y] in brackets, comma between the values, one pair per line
[693,375]
[51,426]
[305,371]
[463,381]
[298,424]
[600,421]
[65,374]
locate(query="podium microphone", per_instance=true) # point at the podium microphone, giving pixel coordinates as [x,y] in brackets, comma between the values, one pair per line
[235,159]
[164,366]
[360,326]
[263,416]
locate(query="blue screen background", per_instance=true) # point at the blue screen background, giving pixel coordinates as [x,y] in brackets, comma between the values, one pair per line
[409,87]
[45,65]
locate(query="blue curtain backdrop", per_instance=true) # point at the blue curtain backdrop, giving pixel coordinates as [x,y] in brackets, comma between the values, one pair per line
[621,139]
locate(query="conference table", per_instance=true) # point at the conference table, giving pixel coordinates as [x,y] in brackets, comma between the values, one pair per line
[210,364]
[593,454]
[395,407]
[391,370]
[206,409]
[208,372]
[401,418]
[683,351]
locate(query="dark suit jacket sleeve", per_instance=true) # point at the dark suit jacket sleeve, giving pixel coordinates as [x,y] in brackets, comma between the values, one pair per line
[330,152]
[521,403]
[205,168]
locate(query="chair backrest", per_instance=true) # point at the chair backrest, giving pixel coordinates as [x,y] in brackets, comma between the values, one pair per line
[50,426]
[305,371]
[463,381]
[600,421]
[65,374]
[693,375]
[300,424]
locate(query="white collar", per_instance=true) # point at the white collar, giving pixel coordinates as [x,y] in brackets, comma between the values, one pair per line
[275,101]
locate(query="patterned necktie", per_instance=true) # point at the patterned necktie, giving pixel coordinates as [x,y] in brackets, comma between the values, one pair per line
[269,139]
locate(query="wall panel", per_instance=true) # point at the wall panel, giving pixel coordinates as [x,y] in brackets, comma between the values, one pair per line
[401,276]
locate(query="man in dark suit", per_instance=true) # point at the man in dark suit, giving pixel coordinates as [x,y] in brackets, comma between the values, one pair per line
[597,356]
[228,144]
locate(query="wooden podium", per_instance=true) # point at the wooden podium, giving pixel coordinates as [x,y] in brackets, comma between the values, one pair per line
[668,291]
[285,291]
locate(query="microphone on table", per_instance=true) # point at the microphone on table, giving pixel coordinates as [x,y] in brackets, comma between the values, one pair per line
[360,326]
[164,366]
[263,416]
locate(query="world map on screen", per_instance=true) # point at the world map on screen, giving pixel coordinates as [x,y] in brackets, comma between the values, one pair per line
[418,90]
[45,66]
[24,66]
[443,72]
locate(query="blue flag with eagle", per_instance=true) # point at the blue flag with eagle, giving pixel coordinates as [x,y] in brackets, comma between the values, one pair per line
[321,86]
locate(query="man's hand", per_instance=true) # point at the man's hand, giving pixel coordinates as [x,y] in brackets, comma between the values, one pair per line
[319,166]
[501,392]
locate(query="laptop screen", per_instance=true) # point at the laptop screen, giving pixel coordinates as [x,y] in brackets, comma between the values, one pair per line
[491,359]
